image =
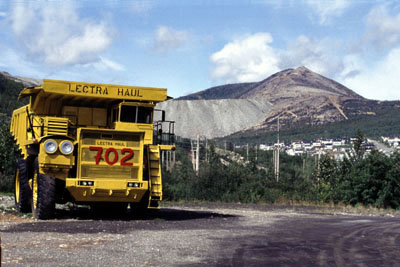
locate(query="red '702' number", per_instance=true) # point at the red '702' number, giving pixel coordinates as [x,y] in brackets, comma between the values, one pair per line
[99,156]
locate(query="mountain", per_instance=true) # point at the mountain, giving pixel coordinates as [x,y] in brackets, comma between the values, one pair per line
[228,91]
[298,97]
[27,82]
[216,117]
[297,81]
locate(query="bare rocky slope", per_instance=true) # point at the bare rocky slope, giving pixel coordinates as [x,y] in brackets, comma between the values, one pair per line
[27,82]
[214,118]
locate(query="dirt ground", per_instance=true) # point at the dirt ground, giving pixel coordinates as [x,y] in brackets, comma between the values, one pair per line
[203,234]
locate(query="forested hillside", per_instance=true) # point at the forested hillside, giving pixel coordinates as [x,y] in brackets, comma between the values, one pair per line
[386,122]
[9,91]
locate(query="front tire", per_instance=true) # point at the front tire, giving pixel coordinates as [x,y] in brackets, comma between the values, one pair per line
[43,195]
[22,190]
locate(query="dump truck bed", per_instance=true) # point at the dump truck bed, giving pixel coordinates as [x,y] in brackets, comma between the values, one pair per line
[81,90]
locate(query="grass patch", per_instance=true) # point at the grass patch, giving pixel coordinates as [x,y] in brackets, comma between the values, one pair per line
[6,194]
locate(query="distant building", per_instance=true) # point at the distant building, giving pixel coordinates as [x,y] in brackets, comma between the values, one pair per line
[266,147]
[337,148]
[392,141]
[316,144]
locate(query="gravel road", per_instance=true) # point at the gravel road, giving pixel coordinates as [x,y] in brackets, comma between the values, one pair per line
[204,234]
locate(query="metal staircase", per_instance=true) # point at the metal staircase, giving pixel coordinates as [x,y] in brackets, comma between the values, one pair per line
[155,176]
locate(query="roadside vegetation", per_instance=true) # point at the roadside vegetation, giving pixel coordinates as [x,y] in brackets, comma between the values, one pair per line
[8,155]
[9,91]
[366,180]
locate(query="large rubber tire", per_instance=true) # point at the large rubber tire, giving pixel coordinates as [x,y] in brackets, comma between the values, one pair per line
[22,190]
[43,195]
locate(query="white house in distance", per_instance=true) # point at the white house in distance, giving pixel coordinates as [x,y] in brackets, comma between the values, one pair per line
[392,141]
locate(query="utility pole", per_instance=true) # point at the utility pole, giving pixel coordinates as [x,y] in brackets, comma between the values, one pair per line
[198,155]
[206,150]
[195,148]
[276,157]
[166,160]
[247,152]
[318,163]
[162,159]
[193,154]
[169,160]
[173,159]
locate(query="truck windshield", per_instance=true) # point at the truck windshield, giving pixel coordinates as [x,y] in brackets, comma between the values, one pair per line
[136,114]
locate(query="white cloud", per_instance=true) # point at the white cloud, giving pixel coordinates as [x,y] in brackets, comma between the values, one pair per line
[168,39]
[380,81]
[103,71]
[375,75]
[352,66]
[108,64]
[319,55]
[55,34]
[383,29]
[253,58]
[327,9]
[3,14]
[246,59]
[12,62]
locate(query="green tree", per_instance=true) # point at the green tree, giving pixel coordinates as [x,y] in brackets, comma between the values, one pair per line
[8,155]
[358,148]
[389,194]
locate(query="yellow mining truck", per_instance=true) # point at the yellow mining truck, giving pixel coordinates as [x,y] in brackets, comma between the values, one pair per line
[89,143]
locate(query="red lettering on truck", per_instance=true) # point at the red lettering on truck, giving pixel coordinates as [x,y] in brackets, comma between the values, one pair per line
[127,152]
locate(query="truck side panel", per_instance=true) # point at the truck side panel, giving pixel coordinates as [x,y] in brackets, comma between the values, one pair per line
[18,128]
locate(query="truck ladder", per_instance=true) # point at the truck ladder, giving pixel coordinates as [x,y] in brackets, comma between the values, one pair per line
[155,176]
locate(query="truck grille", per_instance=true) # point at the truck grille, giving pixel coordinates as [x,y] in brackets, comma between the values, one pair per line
[119,147]
[91,171]
[56,126]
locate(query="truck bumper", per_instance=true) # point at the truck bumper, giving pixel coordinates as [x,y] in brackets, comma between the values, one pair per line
[106,190]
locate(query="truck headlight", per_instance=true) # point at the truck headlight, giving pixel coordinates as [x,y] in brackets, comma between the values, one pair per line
[66,147]
[50,146]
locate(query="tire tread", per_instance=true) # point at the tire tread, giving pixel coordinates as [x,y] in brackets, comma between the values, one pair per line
[25,192]
[46,196]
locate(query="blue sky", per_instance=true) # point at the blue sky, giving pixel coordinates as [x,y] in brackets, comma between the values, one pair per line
[188,46]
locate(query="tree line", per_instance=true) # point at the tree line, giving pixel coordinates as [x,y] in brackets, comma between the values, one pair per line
[358,179]
[9,91]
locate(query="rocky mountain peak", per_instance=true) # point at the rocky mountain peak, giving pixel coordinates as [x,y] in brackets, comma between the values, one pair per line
[298,82]
[27,82]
